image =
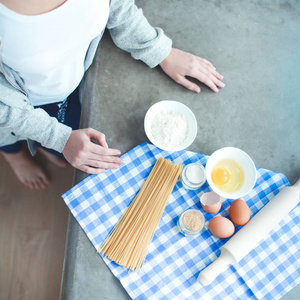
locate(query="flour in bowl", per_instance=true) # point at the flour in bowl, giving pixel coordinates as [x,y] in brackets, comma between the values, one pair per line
[169,129]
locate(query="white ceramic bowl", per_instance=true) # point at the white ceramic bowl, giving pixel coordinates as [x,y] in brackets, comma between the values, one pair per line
[171,106]
[246,163]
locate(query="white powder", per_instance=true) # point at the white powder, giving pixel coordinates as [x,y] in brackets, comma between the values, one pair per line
[194,173]
[169,129]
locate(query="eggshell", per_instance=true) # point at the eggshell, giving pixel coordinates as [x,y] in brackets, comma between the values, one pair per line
[239,212]
[221,227]
[211,202]
[212,209]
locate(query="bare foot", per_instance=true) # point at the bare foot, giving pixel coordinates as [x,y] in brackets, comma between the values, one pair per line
[27,170]
[57,161]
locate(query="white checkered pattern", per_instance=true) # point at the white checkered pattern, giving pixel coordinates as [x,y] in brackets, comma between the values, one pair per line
[173,261]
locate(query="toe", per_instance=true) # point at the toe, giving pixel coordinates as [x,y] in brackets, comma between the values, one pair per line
[29,184]
[40,183]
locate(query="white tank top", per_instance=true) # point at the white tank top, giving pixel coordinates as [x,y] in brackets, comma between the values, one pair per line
[48,50]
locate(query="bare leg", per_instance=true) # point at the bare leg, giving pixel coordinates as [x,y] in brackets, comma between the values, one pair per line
[57,161]
[27,170]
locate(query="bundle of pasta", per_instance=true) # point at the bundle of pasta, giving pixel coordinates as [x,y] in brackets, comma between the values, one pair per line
[128,243]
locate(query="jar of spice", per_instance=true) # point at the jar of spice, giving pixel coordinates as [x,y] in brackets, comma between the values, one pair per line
[193,176]
[191,222]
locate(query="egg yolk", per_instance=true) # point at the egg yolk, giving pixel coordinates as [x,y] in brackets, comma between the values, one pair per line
[220,176]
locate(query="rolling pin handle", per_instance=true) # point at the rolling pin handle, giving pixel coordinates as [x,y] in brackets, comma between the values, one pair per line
[207,275]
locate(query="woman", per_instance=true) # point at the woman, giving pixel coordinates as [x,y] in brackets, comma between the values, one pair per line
[46,47]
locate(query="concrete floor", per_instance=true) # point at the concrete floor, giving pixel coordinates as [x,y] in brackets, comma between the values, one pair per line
[254,45]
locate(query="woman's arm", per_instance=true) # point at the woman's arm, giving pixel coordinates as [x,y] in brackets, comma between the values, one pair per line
[18,119]
[131,32]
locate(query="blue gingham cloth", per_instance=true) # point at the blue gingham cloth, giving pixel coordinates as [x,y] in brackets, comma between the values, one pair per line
[173,261]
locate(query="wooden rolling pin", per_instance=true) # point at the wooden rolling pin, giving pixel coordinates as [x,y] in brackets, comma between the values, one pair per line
[248,237]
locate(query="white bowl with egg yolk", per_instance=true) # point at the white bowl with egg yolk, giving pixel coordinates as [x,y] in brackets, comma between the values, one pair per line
[246,164]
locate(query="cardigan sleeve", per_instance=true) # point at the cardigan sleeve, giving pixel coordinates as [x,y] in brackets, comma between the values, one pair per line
[131,32]
[19,118]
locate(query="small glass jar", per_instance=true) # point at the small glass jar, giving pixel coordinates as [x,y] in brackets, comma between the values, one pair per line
[193,176]
[191,222]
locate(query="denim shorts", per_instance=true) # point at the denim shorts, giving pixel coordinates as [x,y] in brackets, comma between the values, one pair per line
[66,112]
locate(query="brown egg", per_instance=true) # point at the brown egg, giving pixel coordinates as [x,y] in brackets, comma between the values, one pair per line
[221,227]
[239,212]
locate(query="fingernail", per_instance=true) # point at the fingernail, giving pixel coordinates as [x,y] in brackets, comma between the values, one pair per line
[197,89]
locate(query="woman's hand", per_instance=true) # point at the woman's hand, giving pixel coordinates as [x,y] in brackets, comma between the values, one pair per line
[179,64]
[87,156]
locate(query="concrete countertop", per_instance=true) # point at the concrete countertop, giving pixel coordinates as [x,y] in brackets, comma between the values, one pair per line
[254,45]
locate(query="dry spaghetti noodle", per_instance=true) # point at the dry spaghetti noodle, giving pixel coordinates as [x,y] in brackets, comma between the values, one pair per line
[128,243]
